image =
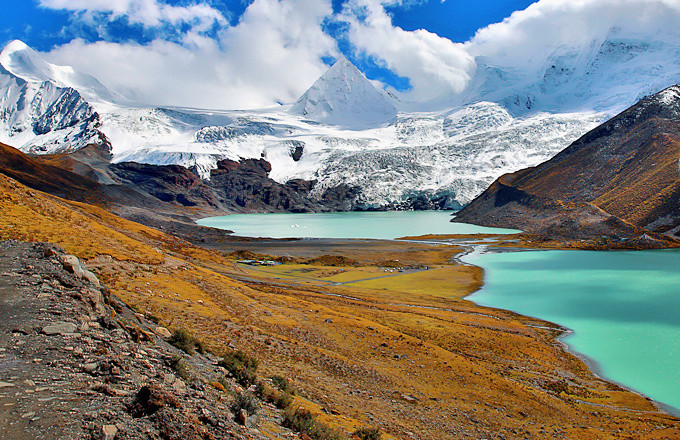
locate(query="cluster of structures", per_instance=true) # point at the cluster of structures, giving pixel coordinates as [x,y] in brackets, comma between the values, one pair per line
[259,262]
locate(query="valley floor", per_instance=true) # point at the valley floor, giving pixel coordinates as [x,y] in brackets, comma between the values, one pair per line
[371,333]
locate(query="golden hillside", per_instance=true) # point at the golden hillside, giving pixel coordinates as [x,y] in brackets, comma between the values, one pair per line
[412,358]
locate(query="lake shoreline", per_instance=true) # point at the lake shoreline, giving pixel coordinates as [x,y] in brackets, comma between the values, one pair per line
[311,246]
[564,332]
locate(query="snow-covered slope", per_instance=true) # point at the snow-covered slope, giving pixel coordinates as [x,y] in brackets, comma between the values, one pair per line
[606,74]
[453,154]
[23,62]
[343,130]
[343,96]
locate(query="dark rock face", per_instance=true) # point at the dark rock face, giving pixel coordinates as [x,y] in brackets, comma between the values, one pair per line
[246,186]
[296,150]
[618,179]
[170,183]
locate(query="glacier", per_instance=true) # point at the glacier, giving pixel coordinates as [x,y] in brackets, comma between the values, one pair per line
[345,129]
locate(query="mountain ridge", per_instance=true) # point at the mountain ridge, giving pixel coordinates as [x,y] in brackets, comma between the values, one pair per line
[444,158]
[627,168]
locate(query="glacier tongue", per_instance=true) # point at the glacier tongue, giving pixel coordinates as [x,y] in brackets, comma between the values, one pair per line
[343,96]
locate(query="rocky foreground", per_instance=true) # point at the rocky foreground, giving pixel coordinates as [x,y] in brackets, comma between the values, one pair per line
[76,362]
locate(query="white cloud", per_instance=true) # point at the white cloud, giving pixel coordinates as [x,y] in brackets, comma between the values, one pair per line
[145,12]
[527,37]
[436,67]
[273,54]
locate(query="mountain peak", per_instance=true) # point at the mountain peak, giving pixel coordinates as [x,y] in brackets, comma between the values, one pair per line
[344,96]
[22,61]
[14,46]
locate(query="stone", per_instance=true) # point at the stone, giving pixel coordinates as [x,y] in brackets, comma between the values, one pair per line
[163,332]
[72,264]
[92,278]
[6,384]
[242,417]
[60,328]
[409,398]
[179,386]
[109,432]
[90,367]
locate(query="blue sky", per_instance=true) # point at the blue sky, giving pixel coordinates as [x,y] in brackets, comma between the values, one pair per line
[44,28]
[257,53]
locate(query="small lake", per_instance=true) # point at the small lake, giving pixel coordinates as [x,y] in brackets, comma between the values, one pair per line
[623,306]
[378,225]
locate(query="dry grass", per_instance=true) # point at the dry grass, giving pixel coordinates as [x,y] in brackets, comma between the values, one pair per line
[406,358]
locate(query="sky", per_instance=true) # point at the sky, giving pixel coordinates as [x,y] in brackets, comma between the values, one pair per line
[256,53]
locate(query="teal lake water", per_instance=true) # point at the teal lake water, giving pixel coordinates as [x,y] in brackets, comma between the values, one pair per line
[378,225]
[624,308]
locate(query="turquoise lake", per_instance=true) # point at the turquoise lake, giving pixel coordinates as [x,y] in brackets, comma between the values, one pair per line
[379,225]
[623,308]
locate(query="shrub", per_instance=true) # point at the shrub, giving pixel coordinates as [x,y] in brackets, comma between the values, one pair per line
[218,386]
[247,402]
[282,384]
[368,434]
[186,342]
[303,421]
[180,367]
[241,366]
[281,399]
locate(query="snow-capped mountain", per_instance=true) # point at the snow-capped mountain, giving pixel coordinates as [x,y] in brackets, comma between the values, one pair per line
[46,108]
[343,130]
[605,74]
[343,96]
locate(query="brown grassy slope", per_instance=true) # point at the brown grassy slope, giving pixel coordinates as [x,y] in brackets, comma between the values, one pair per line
[627,167]
[45,177]
[414,362]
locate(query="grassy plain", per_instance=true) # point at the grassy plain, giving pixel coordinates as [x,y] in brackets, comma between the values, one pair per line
[406,353]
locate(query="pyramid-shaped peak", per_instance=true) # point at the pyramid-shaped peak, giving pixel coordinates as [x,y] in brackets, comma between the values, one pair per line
[343,63]
[344,96]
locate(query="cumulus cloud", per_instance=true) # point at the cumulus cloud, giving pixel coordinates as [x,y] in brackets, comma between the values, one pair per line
[275,50]
[272,55]
[435,66]
[145,12]
[526,38]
